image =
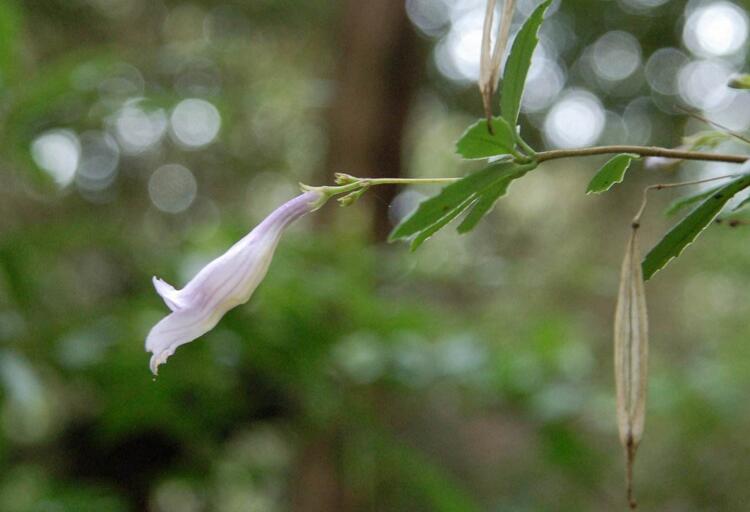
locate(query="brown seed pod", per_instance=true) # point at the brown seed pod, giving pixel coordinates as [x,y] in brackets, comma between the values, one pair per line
[489,61]
[631,355]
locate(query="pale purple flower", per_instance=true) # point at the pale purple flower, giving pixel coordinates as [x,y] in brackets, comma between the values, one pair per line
[224,283]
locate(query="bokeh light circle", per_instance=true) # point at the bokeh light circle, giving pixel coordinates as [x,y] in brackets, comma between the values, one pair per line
[137,128]
[716,29]
[702,84]
[544,82]
[99,159]
[662,69]
[57,152]
[576,120]
[195,122]
[172,188]
[429,16]
[616,55]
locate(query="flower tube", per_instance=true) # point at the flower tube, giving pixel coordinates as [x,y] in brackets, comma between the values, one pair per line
[224,283]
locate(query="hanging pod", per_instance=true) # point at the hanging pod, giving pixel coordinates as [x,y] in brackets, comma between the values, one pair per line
[631,355]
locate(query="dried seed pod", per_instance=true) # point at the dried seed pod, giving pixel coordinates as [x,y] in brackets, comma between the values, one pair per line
[631,355]
[489,62]
[485,64]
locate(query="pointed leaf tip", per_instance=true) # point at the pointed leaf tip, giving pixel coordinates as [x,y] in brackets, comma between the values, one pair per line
[518,63]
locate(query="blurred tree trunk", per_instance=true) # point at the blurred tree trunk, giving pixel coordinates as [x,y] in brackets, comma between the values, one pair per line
[378,71]
[317,486]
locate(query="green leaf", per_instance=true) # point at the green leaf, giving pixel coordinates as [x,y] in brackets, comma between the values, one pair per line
[434,213]
[682,202]
[484,204]
[425,234]
[517,65]
[477,142]
[612,172]
[435,208]
[740,82]
[683,233]
[487,199]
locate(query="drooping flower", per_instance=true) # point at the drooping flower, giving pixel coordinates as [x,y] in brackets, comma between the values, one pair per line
[224,283]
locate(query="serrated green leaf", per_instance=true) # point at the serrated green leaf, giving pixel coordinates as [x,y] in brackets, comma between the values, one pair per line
[483,205]
[450,197]
[425,234]
[517,65]
[478,142]
[610,173]
[487,199]
[682,202]
[687,230]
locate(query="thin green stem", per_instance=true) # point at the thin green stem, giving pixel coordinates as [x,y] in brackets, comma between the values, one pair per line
[519,156]
[330,191]
[353,187]
[642,151]
[661,186]
[527,149]
[405,181]
[354,183]
[721,127]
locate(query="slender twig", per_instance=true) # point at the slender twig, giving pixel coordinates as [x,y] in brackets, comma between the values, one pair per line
[662,186]
[407,181]
[642,151]
[352,183]
[721,127]
[630,453]
[354,187]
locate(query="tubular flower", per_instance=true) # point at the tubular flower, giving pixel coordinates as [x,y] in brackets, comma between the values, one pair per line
[224,283]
